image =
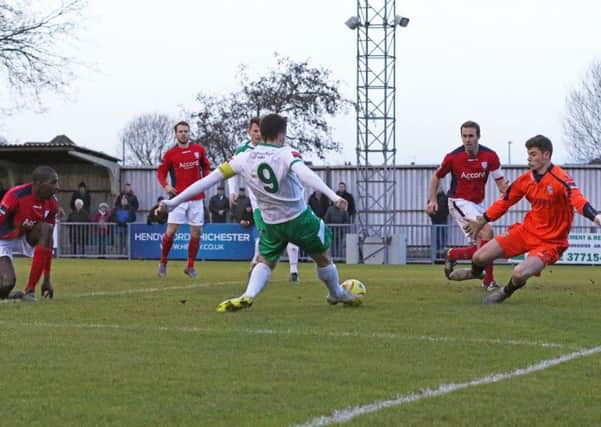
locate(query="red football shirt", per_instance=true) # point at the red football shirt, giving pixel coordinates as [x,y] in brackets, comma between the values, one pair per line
[20,210]
[469,174]
[184,166]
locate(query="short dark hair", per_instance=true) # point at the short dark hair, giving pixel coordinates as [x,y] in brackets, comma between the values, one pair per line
[254,121]
[181,123]
[541,142]
[43,174]
[272,125]
[471,124]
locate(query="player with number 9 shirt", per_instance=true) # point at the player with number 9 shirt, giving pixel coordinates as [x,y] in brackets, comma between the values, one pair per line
[274,172]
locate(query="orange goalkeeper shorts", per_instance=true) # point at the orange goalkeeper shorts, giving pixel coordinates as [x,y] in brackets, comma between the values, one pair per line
[518,241]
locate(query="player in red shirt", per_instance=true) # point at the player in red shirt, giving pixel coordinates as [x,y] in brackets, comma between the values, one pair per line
[27,217]
[553,196]
[185,164]
[469,166]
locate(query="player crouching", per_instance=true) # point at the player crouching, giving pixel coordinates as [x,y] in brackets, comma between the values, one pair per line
[543,236]
[27,218]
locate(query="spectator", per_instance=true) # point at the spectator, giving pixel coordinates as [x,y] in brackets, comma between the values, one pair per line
[121,215]
[132,199]
[349,198]
[338,218]
[440,222]
[319,203]
[246,217]
[242,205]
[152,218]
[78,232]
[219,205]
[101,218]
[83,194]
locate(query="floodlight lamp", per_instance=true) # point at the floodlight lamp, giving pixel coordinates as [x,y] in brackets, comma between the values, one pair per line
[401,21]
[353,22]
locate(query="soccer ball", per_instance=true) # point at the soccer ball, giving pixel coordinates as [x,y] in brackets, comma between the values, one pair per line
[355,287]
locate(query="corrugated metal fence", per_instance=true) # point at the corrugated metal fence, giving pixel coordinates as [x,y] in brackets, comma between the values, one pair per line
[411,190]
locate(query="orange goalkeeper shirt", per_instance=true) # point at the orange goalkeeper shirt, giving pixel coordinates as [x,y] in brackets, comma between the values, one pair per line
[553,196]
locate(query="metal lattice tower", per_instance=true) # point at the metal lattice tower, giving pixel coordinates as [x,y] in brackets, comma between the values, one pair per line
[376,23]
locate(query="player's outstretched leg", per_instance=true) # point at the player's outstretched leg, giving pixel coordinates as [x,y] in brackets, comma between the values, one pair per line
[328,274]
[293,251]
[521,273]
[259,277]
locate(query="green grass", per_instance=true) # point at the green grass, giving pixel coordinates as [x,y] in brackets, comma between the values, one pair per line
[149,359]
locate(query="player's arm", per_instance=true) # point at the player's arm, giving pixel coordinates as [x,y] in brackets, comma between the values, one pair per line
[205,164]
[512,195]
[233,185]
[580,203]
[312,180]
[432,205]
[162,172]
[497,174]
[8,205]
[224,171]
[500,180]
[444,168]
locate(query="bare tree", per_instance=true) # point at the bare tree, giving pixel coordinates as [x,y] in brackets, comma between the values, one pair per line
[3,140]
[146,138]
[307,95]
[582,122]
[32,46]
[221,124]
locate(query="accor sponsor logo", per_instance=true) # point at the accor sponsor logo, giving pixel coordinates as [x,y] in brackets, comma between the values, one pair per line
[473,175]
[188,165]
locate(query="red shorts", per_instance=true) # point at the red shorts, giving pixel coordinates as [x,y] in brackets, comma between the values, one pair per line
[518,241]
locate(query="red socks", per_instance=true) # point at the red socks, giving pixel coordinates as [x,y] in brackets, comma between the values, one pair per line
[193,250]
[39,264]
[488,270]
[193,247]
[48,266]
[462,253]
[166,247]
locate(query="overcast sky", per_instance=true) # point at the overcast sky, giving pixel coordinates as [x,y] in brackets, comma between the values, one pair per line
[508,65]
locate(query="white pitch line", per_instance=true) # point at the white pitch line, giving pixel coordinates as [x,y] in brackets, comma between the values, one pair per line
[314,333]
[151,290]
[346,415]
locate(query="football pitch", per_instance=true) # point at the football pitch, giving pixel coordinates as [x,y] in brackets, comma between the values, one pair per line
[120,347]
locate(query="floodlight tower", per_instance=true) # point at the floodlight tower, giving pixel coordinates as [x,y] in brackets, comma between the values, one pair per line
[376,23]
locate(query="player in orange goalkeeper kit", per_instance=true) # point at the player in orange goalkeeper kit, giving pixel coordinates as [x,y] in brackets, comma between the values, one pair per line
[543,235]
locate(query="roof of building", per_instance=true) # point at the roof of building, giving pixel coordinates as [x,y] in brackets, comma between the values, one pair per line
[57,147]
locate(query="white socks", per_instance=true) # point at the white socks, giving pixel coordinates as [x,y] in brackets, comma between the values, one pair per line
[258,279]
[256,255]
[293,257]
[329,275]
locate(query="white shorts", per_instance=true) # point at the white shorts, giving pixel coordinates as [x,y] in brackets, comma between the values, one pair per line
[461,210]
[18,245]
[191,212]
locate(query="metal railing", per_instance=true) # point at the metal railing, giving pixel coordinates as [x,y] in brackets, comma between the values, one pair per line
[425,243]
[92,240]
